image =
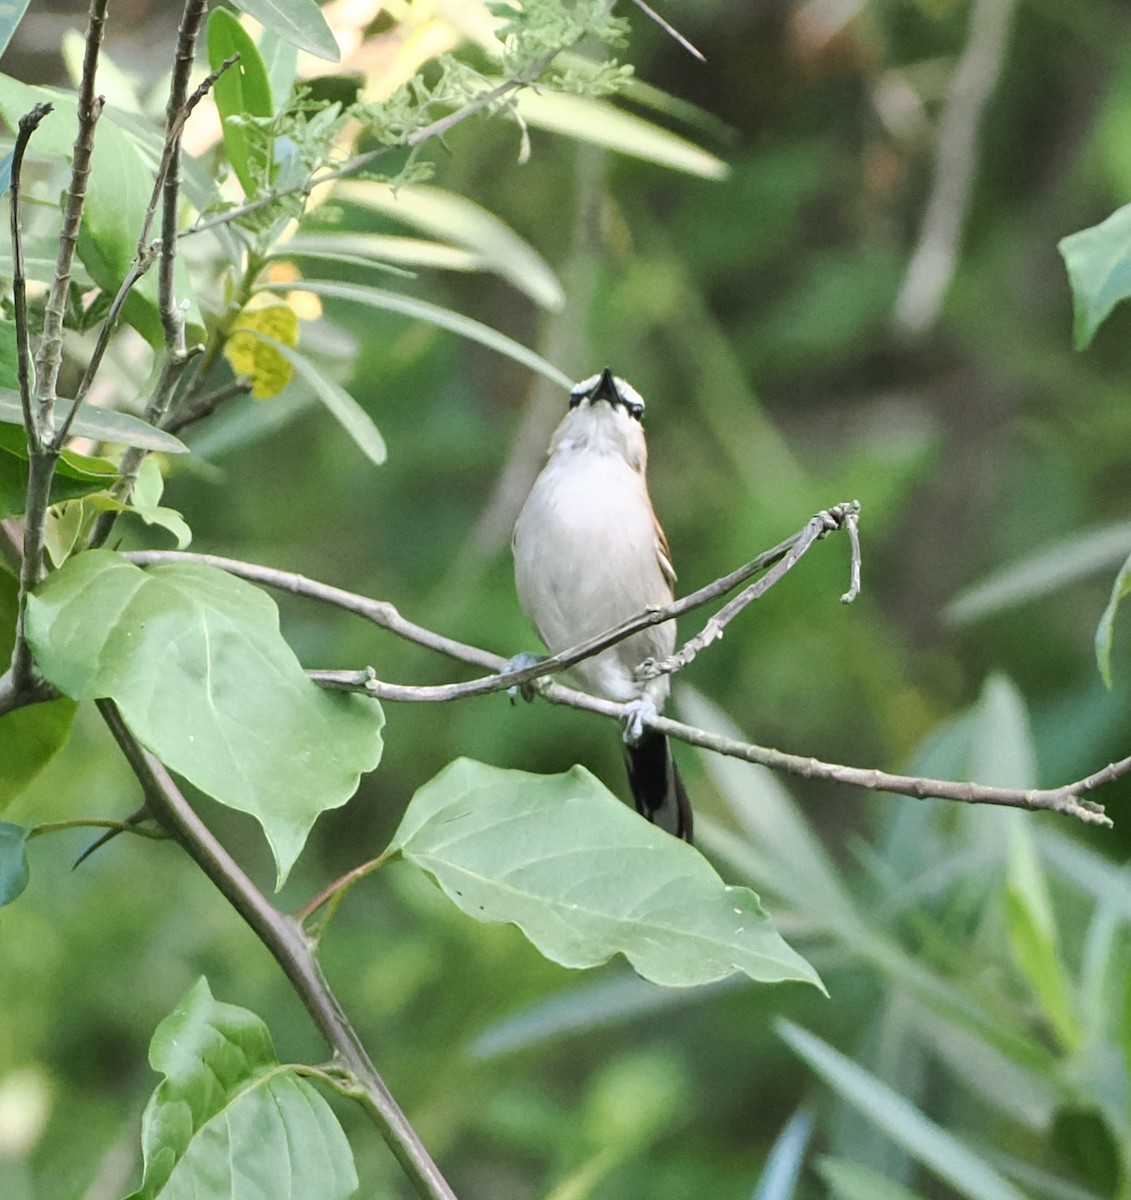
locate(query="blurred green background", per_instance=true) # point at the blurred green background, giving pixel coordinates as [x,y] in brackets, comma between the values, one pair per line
[976,961]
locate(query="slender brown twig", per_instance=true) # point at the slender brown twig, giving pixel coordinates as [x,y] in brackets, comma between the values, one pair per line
[284,938]
[1067,799]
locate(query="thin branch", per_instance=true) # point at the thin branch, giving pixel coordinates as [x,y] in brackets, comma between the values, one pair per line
[838,517]
[284,938]
[50,354]
[932,265]
[29,123]
[436,129]
[171,319]
[669,29]
[1068,799]
[207,405]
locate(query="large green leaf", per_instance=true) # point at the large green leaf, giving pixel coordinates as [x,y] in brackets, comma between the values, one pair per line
[1099,269]
[75,475]
[297,21]
[937,1149]
[584,877]
[243,90]
[13,861]
[851,1181]
[230,1120]
[445,318]
[29,737]
[195,661]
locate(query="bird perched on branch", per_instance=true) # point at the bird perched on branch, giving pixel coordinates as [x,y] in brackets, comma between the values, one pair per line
[588,554]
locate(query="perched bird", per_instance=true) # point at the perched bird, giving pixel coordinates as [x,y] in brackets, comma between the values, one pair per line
[588,554]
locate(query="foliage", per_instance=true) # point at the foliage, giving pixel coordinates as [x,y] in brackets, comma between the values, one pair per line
[330,245]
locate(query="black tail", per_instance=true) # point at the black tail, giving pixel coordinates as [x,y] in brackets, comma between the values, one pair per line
[657,789]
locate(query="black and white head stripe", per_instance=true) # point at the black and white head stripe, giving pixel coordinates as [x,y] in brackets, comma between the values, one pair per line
[607,386]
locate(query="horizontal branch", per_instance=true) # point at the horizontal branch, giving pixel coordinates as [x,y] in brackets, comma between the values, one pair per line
[1068,799]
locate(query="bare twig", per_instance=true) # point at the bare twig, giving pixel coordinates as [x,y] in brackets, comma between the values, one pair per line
[50,354]
[824,522]
[207,405]
[669,29]
[284,938]
[931,267]
[28,125]
[1068,799]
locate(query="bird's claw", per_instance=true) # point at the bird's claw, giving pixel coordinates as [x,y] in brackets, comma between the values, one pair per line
[637,714]
[520,662]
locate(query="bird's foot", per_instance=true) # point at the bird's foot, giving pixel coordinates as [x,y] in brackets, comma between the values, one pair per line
[520,662]
[637,713]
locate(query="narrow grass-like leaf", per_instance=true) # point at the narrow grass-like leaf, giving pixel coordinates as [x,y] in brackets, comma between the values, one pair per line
[1098,261]
[585,878]
[601,124]
[1105,631]
[1033,936]
[783,1167]
[851,1181]
[297,21]
[13,859]
[421,310]
[462,222]
[1049,570]
[380,251]
[196,663]
[229,1119]
[102,424]
[243,90]
[338,402]
[941,1152]
[11,14]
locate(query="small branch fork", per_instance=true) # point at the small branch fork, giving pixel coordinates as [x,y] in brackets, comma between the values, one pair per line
[1068,799]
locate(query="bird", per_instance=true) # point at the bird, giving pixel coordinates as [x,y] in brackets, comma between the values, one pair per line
[588,554]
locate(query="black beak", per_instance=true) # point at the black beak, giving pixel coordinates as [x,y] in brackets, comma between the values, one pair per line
[606,388]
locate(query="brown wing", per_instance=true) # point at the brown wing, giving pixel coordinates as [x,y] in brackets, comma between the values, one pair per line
[663,553]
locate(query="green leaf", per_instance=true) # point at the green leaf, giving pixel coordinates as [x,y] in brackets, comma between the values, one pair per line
[1086,1143]
[379,251]
[783,1167]
[75,475]
[195,661]
[465,224]
[101,424]
[11,14]
[13,860]
[339,403]
[928,1143]
[297,21]
[1099,270]
[229,1119]
[9,358]
[1049,570]
[851,1181]
[243,90]
[585,878]
[1105,631]
[118,192]
[1033,936]
[601,124]
[29,737]
[420,310]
